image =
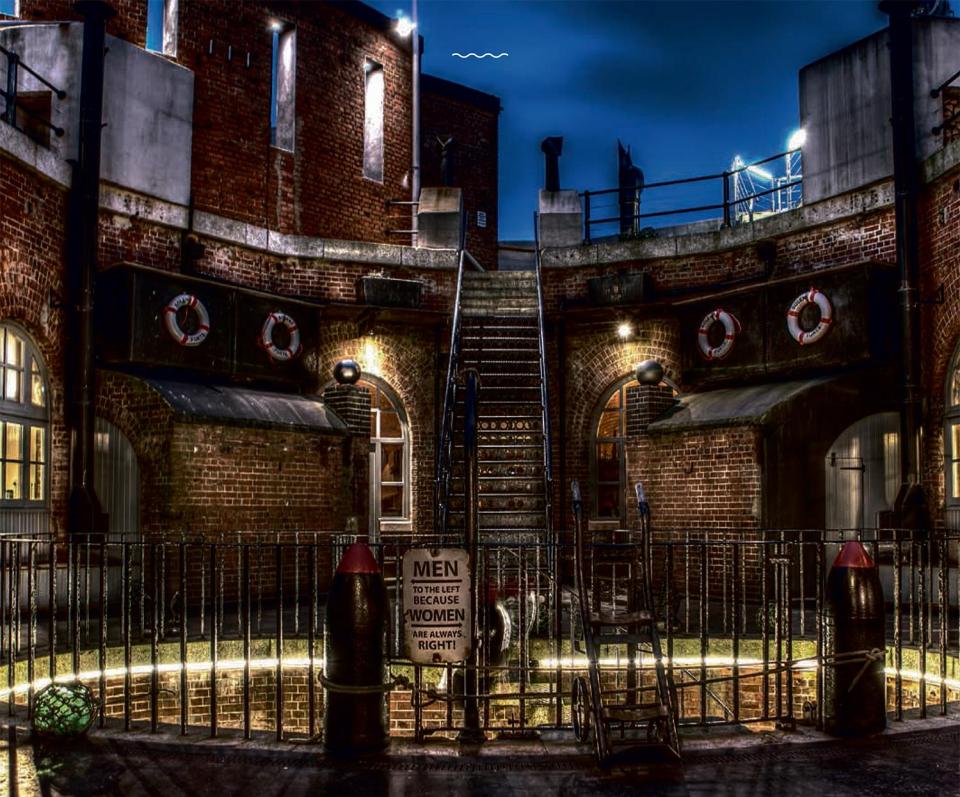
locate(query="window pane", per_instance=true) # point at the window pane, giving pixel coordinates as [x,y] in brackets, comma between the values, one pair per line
[955,388]
[609,424]
[614,400]
[391,502]
[36,482]
[12,390]
[11,481]
[13,434]
[373,423]
[373,122]
[14,350]
[955,479]
[391,462]
[608,500]
[390,425]
[608,462]
[38,391]
[36,444]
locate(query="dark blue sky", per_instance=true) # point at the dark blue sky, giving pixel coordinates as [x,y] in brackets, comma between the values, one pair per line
[688,84]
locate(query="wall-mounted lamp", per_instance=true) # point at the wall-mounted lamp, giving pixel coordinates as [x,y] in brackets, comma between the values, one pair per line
[625,330]
[346,372]
[404,26]
[650,372]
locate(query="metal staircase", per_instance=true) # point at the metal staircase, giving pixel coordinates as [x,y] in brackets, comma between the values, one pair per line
[500,338]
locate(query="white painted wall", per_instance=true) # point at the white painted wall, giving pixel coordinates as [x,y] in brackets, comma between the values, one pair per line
[845,107]
[148,107]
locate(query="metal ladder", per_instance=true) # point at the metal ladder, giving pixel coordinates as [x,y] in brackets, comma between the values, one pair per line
[626,721]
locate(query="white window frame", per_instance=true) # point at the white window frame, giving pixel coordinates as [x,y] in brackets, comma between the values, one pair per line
[22,411]
[374,132]
[951,420]
[283,89]
[169,26]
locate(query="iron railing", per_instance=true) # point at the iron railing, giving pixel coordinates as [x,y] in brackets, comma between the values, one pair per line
[14,65]
[735,201]
[225,633]
[445,438]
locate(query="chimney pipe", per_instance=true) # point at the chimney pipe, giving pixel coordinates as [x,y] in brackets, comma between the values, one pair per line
[551,148]
[85,514]
[905,183]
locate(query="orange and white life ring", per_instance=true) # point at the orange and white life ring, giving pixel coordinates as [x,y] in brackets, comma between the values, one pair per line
[280,353]
[173,326]
[731,328]
[813,296]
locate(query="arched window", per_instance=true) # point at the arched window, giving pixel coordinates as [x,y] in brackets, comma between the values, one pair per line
[608,467]
[951,433]
[24,432]
[389,456]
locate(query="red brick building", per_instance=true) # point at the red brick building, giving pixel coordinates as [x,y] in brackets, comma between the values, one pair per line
[257,177]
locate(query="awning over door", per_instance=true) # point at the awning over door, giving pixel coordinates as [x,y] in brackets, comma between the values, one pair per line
[241,405]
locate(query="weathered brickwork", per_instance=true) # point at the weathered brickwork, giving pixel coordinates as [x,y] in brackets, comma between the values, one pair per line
[940,266]
[857,239]
[32,218]
[405,359]
[471,118]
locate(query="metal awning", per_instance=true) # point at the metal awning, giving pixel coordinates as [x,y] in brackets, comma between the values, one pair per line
[755,405]
[240,405]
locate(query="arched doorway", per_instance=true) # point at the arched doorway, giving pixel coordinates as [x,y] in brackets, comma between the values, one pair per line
[862,470]
[116,478]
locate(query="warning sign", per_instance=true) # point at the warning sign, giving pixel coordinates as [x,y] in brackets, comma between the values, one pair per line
[436,605]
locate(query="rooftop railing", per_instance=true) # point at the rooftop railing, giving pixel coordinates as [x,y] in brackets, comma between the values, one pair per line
[22,110]
[741,194]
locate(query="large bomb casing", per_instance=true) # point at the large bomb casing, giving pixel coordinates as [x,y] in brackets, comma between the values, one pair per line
[354,643]
[854,693]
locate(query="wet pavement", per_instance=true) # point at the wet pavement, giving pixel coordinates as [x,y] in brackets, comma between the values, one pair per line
[922,758]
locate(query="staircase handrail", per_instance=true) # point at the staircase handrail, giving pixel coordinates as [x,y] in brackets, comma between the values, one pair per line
[445,442]
[544,397]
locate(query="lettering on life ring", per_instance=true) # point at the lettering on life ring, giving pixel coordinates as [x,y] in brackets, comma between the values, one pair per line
[267,343]
[813,296]
[194,305]
[731,328]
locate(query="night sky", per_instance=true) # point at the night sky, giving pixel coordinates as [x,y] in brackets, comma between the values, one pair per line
[688,84]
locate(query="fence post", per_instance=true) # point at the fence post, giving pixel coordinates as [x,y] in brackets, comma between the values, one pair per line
[586,217]
[726,199]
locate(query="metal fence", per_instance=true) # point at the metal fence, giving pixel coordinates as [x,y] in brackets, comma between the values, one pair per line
[150,625]
[741,194]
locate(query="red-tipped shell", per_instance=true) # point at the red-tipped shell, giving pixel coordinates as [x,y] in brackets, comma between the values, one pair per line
[853,554]
[358,559]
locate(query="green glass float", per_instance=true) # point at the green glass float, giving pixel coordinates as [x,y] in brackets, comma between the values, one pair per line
[64,710]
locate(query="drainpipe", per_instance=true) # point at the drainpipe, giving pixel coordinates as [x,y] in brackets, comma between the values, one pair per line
[85,514]
[415,41]
[905,181]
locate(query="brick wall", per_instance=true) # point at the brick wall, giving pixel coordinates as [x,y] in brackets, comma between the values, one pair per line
[472,119]
[32,218]
[318,189]
[939,218]
[870,236]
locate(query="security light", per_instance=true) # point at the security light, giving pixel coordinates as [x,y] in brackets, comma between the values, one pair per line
[797,140]
[404,26]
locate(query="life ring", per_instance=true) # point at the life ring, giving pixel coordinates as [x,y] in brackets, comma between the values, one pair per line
[731,328]
[292,349]
[173,326]
[793,317]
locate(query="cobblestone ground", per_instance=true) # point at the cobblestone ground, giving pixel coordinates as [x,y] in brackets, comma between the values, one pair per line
[925,762]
